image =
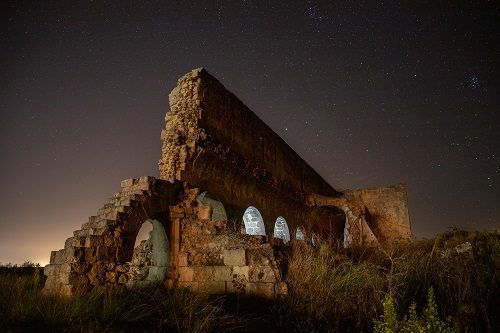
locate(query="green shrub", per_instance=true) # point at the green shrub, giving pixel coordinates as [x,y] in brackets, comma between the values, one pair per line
[429,323]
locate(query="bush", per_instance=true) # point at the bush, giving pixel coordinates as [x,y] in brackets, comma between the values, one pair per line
[429,323]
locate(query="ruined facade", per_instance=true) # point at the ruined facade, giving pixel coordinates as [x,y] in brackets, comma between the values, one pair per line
[231,193]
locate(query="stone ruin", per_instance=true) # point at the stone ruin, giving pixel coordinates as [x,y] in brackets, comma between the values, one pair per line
[231,195]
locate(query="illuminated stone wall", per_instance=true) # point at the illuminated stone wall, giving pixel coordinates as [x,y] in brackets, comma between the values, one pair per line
[219,160]
[213,141]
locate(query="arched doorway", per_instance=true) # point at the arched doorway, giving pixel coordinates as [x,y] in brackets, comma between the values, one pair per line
[281,229]
[254,223]
[151,256]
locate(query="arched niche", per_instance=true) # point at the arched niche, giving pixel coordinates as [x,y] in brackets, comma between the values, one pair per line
[300,234]
[150,260]
[254,223]
[281,230]
[314,238]
[205,198]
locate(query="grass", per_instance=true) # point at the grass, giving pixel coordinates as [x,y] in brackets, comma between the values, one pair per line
[329,291]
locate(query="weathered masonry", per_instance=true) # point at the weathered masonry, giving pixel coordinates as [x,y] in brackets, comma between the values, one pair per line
[231,193]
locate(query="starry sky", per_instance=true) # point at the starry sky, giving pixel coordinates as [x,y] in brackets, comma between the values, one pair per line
[369,93]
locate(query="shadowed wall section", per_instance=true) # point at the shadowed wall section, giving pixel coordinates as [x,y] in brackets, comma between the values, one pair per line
[100,252]
[212,140]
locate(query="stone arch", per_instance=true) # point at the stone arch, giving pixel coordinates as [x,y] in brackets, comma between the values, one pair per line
[100,252]
[300,233]
[144,233]
[281,229]
[150,260]
[254,223]
[315,237]
[206,198]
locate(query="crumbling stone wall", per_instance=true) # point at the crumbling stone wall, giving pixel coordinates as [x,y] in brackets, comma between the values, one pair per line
[205,254]
[213,258]
[213,141]
[388,211]
[142,259]
[100,252]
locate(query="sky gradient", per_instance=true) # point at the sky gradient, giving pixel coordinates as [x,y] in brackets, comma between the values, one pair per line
[368,93]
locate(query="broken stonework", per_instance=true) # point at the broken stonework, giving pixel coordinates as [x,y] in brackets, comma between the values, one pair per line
[220,162]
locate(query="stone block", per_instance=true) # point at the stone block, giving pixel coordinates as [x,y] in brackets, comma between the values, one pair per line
[257,258]
[204,212]
[183,259]
[222,273]
[145,179]
[68,243]
[192,286]
[59,272]
[127,183]
[53,257]
[281,289]
[93,240]
[50,270]
[186,274]
[78,242]
[212,287]
[260,289]
[102,224]
[203,273]
[241,272]
[81,233]
[262,274]
[234,257]
[236,287]
[60,257]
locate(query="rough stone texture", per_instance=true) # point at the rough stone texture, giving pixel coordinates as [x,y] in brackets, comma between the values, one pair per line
[214,258]
[213,141]
[234,257]
[101,251]
[387,211]
[219,158]
[141,261]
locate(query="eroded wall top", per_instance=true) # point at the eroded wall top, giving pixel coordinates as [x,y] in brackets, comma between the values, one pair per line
[213,141]
[210,112]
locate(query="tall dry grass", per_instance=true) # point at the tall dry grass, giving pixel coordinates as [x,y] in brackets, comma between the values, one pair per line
[342,290]
[330,290]
[149,309]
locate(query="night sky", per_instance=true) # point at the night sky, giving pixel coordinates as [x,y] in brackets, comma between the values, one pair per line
[369,93]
